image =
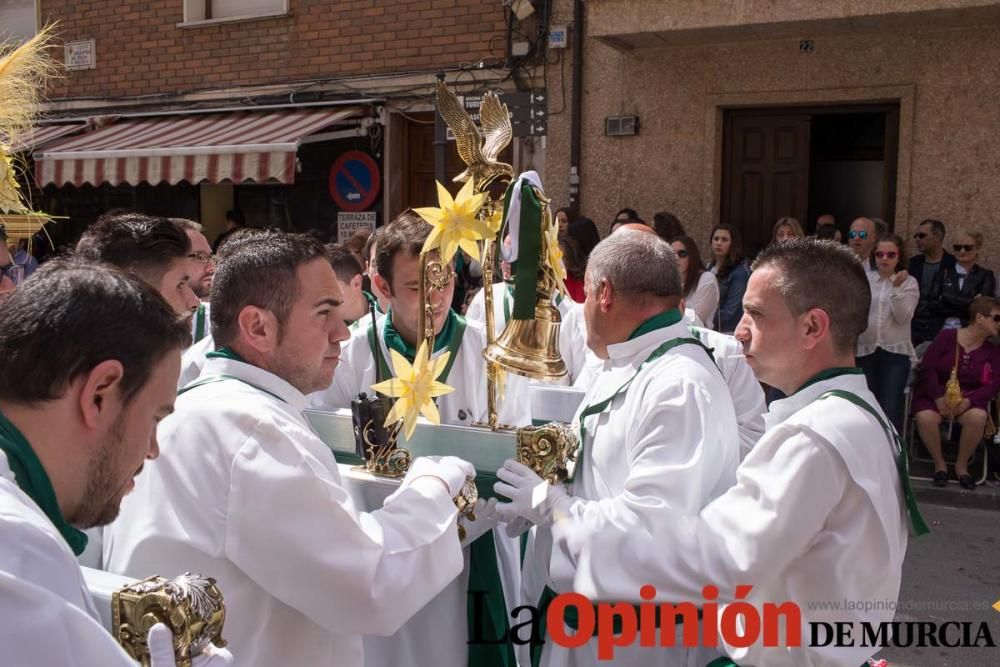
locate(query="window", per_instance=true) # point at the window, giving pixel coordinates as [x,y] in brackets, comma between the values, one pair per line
[18,20]
[223,10]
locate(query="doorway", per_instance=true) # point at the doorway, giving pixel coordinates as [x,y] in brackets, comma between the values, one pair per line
[804,162]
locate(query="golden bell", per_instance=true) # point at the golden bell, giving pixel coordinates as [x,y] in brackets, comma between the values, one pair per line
[531,347]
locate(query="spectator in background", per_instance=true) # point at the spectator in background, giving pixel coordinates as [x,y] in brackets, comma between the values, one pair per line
[23,258]
[202,262]
[10,274]
[975,362]
[828,232]
[667,226]
[730,268]
[575,269]
[234,221]
[786,228]
[375,297]
[826,219]
[584,232]
[861,239]
[954,289]
[348,271]
[884,350]
[701,289]
[624,217]
[563,217]
[932,257]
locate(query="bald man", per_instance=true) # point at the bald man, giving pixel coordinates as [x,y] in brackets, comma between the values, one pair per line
[862,239]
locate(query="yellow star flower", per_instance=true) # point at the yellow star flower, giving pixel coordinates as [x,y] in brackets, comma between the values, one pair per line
[455,223]
[414,387]
[554,256]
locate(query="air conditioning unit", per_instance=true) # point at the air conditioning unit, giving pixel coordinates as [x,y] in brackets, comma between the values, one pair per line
[621,126]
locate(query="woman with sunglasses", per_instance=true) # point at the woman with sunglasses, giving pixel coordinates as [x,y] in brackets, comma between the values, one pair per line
[954,289]
[701,289]
[732,272]
[975,362]
[884,350]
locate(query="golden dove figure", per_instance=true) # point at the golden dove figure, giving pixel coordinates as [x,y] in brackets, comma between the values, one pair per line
[478,147]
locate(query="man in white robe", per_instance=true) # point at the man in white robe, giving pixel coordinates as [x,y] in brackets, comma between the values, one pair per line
[246,491]
[657,423]
[98,354]
[819,511]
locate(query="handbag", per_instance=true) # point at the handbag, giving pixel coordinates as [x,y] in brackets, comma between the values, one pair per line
[952,389]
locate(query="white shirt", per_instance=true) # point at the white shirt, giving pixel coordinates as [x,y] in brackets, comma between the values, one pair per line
[704,300]
[889,317]
[745,390]
[32,549]
[464,406]
[816,515]
[193,360]
[245,491]
[670,441]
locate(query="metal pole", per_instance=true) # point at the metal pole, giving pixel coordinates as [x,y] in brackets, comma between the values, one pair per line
[576,110]
[440,143]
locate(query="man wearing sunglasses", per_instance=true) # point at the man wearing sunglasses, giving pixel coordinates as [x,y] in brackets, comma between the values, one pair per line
[862,238]
[929,241]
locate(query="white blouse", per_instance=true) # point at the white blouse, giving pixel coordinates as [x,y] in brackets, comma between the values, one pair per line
[889,316]
[704,300]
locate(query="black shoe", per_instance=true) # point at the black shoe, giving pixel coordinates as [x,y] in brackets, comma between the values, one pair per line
[967,482]
[940,478]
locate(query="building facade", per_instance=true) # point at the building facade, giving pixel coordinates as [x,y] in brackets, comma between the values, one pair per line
[750,111]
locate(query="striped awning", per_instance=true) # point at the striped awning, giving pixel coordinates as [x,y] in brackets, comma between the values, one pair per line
[44,134]
[237,147]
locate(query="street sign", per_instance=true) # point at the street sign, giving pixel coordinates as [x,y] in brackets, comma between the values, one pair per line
[529,111]
[348,223]
[354,181]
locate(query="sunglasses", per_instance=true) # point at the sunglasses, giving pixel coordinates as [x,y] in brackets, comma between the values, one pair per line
[963,247]
[920,235]
[857,235]
[886,254]
[682,253]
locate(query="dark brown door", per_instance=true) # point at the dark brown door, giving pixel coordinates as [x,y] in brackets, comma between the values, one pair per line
[419,189]
[765,173]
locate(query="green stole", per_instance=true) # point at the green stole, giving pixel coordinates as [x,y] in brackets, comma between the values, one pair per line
[30,477]
[484,574]
[199,323]
[226,353]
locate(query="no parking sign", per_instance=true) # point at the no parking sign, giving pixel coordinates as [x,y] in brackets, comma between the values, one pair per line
[354,181]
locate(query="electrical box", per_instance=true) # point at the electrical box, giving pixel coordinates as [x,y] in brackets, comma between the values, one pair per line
[558,37]
[621,126]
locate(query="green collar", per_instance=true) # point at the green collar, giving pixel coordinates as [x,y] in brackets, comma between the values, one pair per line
[661,321]
[30,476]
[836,371]
[372,301]
[225,353]
[395,342]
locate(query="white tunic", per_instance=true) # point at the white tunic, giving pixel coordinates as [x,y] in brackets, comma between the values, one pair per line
[670,441]
[748,397]
[244,491]
[704,301]
[193,360]
[42,628]
[816,516]
[32,549]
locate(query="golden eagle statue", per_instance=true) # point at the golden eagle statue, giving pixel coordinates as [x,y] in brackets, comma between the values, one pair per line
[477,147]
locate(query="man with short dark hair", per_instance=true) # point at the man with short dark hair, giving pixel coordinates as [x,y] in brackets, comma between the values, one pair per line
[349,275]
[234,221]
[92,356]
[202,265]
[256,498]
[154,249]
[657,424]
[817,512]
[929,240]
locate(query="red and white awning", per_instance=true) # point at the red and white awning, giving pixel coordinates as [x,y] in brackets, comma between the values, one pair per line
[237,147]
[45,134]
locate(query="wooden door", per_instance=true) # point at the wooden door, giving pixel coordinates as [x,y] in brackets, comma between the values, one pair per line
[419,188]
[765,172]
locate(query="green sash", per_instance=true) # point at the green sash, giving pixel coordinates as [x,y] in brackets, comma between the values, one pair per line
[199,323]
[30,477]
[917,522]
[451,336]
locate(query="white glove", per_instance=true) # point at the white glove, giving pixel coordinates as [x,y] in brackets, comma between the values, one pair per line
[531,496]
[161,651]
[451,470]
[486,520]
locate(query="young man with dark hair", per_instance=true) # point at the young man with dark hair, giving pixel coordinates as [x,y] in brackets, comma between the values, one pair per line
[202,266]
[349,276]
[256,498]
[817,512]
[154,249]
[932,258]
[95,354]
